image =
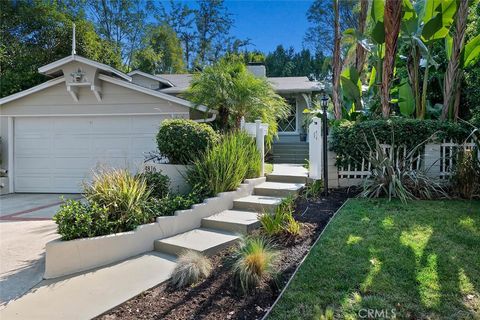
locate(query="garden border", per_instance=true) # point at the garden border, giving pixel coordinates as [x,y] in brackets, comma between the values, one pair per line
[302,261]
[64,258]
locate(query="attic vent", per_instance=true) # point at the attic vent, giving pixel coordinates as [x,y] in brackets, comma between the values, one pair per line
[77,76]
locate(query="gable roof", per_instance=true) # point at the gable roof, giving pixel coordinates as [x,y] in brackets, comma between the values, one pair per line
[151,76]
[181,83]
[51,68]
[37,88]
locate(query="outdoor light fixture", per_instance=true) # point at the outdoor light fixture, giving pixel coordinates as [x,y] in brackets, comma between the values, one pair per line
[324,103]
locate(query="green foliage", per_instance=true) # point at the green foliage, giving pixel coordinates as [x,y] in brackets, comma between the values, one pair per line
[225,165]
[466,176]
[190,269]
[351,140]
[123,195]
[396,177]
[254,263]
[281,221]
[158,183]
[76,219]
[229,88]
[35,33]
[313,189]
[167,205]
[182,141]
[161,52]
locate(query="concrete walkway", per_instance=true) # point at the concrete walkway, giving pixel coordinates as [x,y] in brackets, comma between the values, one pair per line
[87,295]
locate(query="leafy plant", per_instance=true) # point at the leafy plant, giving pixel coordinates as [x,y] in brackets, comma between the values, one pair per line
[224,166]
[122,194]
[281,221]
[313,189]
[190,269]
[182,141]
[254,263]
[397,177]
[167,205]
[76,219]
[158,183]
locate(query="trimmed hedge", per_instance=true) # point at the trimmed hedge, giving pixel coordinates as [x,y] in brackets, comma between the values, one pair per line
[349,139]
[182,141]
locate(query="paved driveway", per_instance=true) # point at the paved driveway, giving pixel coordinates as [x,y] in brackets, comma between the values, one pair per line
[25,228]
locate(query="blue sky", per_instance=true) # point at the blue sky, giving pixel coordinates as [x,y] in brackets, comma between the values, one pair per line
[270,22]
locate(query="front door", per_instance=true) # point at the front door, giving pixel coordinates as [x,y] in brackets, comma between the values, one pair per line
[289,125]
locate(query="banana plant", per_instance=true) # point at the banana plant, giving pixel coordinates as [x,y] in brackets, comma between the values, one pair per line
[424,21]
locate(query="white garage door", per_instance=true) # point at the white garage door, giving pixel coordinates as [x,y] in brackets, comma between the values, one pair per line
[58,154]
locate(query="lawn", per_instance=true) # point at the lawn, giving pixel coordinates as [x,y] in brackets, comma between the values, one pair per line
[417,261]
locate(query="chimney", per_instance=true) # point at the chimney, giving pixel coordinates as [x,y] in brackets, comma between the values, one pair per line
[258,69]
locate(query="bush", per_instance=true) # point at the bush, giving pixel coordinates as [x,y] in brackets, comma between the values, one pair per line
[224,166]
[167,205]
[254,262]
[190,269]
[466,175]
[182,141]
[158,183]
[351,140]
[281,221]
[80,220]
[123,195]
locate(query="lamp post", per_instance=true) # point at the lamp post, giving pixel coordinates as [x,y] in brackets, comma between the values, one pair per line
[324,103]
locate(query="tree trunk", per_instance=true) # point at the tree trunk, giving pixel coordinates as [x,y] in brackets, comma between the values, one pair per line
[337,64]
[413,76]
[392,19]
[360,53]
[453,73]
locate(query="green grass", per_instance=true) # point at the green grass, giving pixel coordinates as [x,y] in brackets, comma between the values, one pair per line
[268,168]
[421,259]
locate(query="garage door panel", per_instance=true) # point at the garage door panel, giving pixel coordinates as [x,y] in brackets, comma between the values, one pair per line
[56,154]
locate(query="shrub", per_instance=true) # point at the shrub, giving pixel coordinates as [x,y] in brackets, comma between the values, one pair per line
[76,219]
[158,183]
[167,205]
[351,140]
[224,166]
[281,221]
[466,175]
[396,178]
[190,269]
[254,262]
[313,189]
[182,141]
[123,195]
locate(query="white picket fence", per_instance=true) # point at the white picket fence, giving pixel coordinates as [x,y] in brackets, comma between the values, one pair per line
[438,159]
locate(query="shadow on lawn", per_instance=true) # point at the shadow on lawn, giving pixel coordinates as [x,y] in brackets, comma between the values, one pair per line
[413,266]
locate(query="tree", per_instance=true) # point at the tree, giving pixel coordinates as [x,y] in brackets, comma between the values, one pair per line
[33,34]
[229,88]
[121,22]
[360,52]
[161,52]
[337,63]
[453,74]
[392,19]
[180,18]
[212,21]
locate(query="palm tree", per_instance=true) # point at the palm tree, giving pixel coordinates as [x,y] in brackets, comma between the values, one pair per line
[453,75]
[337,63]
[360,52]
[229,88]
[392,19]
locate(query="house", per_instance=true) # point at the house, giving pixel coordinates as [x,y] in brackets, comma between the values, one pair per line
[90,115]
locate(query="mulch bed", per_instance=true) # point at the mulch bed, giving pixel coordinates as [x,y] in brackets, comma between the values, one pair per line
[216,297]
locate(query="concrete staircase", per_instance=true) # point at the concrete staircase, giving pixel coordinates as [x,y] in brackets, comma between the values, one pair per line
[290,152]
[223,229]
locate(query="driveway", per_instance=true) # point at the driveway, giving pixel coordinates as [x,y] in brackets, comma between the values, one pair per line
[25,228]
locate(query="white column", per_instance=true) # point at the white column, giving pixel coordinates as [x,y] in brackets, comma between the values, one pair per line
[315,146]
[259,134]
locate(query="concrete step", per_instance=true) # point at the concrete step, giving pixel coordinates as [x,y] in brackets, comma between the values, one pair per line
[233,221]
[290,159]
[202,240]
[288,173]
[257,203]
[278,189]
[286,178]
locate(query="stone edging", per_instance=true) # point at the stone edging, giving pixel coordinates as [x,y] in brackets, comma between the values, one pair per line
[69,257]
[301,262]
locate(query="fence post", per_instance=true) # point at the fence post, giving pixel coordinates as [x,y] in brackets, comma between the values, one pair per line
[315,144]
[242,123]
[259,133]
[333,181]
[432,160]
